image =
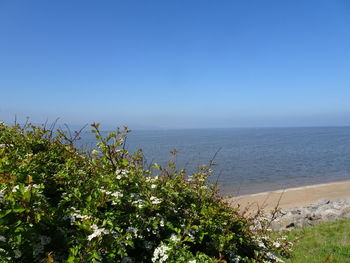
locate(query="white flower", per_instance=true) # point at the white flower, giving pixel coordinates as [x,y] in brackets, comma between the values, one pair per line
[105,191]
[192,261]
[117,194]
[28,187]
[261,244]
[2,194]
[152,179]
[4,145]
[2,239]
[155,200]
[190,235]
[160,254]
[120,174]
[28,155]
[153,186]
[273,257]
[97,232]
[276,244]
[161,222]
[133,230]
[174,238]
[77,215]
[113,194]
[139,203]
[14,189]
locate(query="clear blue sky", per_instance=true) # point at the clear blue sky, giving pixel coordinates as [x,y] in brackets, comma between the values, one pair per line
[176,64]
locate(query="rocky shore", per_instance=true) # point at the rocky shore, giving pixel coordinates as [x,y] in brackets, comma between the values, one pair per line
[321,211]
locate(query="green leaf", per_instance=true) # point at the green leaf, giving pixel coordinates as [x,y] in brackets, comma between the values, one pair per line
[157,166]
[19,210]
[5,213]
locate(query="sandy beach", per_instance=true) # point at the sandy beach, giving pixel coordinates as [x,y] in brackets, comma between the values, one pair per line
[293,197]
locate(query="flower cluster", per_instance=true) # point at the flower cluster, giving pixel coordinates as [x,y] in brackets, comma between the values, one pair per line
[76,215]
[160,254]
[155,201]
[96,232]
[121,174]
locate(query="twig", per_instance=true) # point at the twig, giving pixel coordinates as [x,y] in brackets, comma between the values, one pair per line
[211,162]
[52,127]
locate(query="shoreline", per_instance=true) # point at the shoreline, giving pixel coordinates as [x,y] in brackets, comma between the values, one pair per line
[292,197]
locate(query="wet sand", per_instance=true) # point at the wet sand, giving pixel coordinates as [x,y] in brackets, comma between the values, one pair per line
[293,197]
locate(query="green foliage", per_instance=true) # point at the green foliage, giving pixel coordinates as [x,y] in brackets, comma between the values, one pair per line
[58,204]
[328,242]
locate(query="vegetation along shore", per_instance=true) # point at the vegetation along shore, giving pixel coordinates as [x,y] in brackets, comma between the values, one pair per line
[60,204]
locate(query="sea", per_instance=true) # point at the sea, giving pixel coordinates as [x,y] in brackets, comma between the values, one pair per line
[249,160]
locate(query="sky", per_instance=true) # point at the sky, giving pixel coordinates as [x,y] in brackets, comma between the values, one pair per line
[176,63]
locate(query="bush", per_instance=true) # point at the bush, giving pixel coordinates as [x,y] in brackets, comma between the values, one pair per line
[58,204]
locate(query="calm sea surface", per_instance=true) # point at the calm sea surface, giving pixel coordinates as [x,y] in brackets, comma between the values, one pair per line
[252,160]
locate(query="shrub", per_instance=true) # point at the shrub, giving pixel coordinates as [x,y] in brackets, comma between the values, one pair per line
[58,204]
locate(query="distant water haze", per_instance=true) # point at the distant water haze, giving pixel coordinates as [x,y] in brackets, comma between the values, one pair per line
[251,160]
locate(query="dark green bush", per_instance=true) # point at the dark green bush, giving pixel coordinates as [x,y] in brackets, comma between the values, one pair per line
[58,204]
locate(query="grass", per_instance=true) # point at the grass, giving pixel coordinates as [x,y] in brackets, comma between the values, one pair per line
[328,242]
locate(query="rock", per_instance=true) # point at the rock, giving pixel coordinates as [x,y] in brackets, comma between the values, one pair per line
[322,202]
[322,211]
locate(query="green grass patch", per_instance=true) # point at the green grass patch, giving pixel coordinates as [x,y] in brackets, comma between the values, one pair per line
[328,242]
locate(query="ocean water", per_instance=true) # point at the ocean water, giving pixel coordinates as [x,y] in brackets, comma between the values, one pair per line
[251,160]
